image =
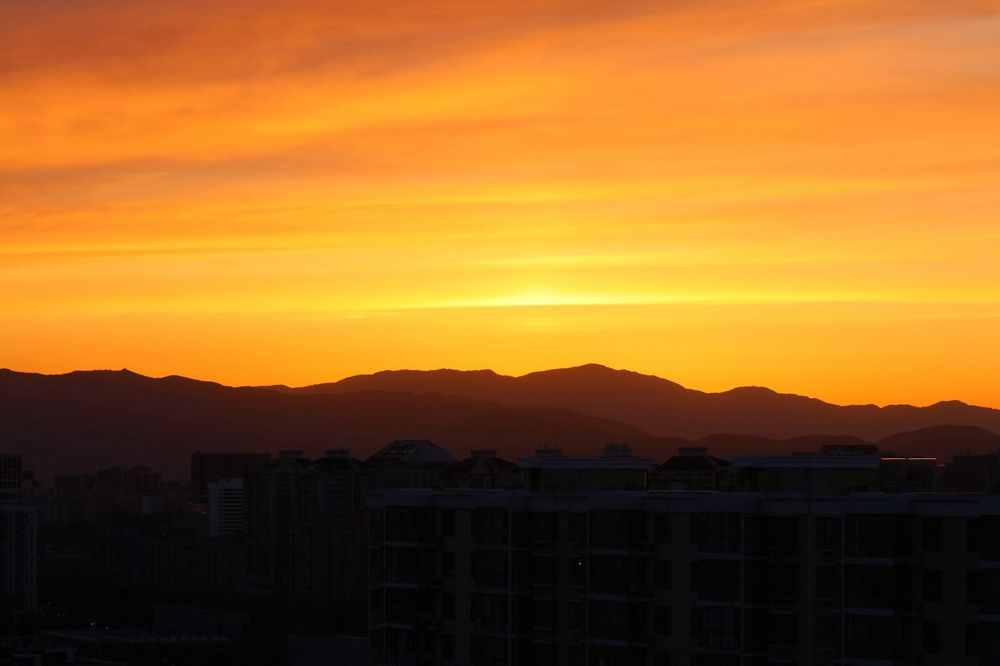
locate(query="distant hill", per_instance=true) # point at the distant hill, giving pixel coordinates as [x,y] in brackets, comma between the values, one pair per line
[939,441]
[665,408]
[84,420]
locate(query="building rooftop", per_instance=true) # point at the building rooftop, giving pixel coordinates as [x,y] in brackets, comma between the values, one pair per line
[134,637]
[411,452]
[615,457]
[808,462]
[692,463]
[480,464]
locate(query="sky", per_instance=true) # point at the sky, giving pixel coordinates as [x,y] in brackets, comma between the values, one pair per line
[800,194]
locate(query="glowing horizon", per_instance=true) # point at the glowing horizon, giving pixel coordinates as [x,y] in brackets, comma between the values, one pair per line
[796,195]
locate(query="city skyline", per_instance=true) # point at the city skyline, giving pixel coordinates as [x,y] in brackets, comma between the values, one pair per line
[795,195]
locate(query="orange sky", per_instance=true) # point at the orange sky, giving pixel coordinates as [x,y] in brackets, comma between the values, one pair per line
[802,194]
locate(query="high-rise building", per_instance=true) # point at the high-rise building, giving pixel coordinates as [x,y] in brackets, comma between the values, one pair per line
[227,508]
[209,467]
[11,474]
[307,534]
[18,556]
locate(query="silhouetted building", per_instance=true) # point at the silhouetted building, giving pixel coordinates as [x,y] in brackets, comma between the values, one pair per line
[902,474]
[18,556]
[972,474]
[132,647]
[616,469]
[11,474]
[278,505]
[307,532]
[336,581]
[816,474]
[692,469]
[77,498]
[227,508]
[630,578]
[483,469]
[209,467]
[408,463]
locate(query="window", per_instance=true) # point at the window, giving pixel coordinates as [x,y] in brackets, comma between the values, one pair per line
[606,655]
[618,529]
[611,574]
[545,654]
[543,570]
[870,586]
[828,583]
[489,526]
[872,637]
[545,527]
[409,524]
[617,621]
[716,580]
[447,564]
[546,617]
[716,627]
[448,523]
[933,586]
[489,612]
[401,606]
[971,642]
[447,647]
[489,568]
[932,637]
[661,525]
[577,525]
[664,574]
[933,535]
[784,629]
[987,537]
[877,536]
[576,615]
[376,564]
[828,534]
[376,526]
[488,651]
[716,532]
[663,621]
[577,572]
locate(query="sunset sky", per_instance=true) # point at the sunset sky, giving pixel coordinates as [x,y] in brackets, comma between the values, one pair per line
[802,194]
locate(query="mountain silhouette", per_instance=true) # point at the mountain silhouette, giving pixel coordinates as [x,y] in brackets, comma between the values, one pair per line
[931,441]
[665,408]
[84,420]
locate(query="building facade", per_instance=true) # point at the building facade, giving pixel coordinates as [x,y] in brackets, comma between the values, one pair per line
[18,557]
[623,578]
[11,474]
[227,508]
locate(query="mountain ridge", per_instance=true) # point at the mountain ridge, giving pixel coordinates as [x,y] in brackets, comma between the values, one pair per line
[666,408]
[85,419]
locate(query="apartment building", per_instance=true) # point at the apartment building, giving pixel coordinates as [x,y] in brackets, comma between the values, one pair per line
[18,557]
[11,474]
[227,508]
[616,577]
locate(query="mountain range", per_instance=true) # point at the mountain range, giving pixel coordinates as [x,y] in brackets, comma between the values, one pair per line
[87,419]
